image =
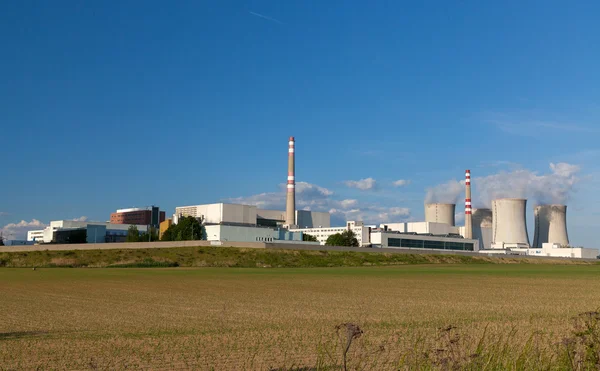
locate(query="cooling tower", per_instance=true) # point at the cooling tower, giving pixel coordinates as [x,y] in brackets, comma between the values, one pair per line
[508,221]
[482,218]
[290,206]
[550,225]
[440,213]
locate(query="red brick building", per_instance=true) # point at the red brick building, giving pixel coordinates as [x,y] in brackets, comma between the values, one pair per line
[138,216]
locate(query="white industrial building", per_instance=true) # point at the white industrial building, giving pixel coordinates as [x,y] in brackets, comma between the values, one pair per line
[96,232]
[361,231]
[239,233]
[250,215]
[411,240]
[557,250]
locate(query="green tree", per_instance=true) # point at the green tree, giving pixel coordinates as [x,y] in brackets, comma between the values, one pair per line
[350,238]
[133,235]
[309,238]
[188,228]
[153,235]
[346,238]
[335,240]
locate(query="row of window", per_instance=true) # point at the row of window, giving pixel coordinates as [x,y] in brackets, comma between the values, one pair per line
[426,244]
[264,239]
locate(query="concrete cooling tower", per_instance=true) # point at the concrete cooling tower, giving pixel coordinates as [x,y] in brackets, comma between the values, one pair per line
[440,213]
[482,227]
[482,218]
[550,225]
[509,224]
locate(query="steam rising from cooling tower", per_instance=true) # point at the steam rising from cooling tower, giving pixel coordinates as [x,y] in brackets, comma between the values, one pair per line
[554,187]
[550,225]
[290,206]
[509,224]
[440,213]
[482,218]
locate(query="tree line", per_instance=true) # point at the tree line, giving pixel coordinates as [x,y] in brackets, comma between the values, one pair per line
[187,229]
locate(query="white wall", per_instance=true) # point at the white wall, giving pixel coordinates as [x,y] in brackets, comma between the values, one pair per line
[234,213]
[271,214]
[312,219]
[239,233]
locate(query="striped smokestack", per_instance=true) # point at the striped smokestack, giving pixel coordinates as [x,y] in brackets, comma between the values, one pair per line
[468,217]
[290,208]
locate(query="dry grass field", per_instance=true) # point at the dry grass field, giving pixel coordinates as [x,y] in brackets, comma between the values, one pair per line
[515,316]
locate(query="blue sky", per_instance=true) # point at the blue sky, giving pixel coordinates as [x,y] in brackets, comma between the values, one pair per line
[116,104]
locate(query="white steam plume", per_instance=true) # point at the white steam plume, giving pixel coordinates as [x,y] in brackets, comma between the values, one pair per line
[446,193]
[554,187]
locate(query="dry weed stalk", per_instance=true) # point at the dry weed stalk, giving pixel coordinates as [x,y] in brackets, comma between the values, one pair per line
[352,331]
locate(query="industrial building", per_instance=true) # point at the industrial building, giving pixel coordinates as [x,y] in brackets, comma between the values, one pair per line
[138,216]
[163,227]
[249,215]
[558,250]
[361,231]
[70,231]
[406,240]
[251,223]
[238,233]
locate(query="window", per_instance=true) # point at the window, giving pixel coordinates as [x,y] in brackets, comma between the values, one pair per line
[394,242]
[412,243]
[438,245]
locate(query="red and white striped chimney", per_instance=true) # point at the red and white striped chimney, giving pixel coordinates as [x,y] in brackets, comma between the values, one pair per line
[468,209]
[290,209]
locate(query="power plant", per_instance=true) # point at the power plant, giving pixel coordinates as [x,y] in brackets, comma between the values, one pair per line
[509,228]
[440,213]
[499,230]
[550,225]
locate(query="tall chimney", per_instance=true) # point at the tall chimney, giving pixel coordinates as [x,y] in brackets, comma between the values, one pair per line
[468,218]
[290,209]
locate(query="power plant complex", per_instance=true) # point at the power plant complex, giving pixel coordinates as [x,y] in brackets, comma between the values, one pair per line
[501,229]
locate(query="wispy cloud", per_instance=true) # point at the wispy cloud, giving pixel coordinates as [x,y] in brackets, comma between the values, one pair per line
[401,182]
[4,213]
[367,184]
[525,125]
[265,17]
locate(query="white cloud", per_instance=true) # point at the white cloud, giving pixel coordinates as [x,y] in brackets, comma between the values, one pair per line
[554,187]
[18,231]
[313,190]
[81,219]
[362,184]
[316,198]
[401,182]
